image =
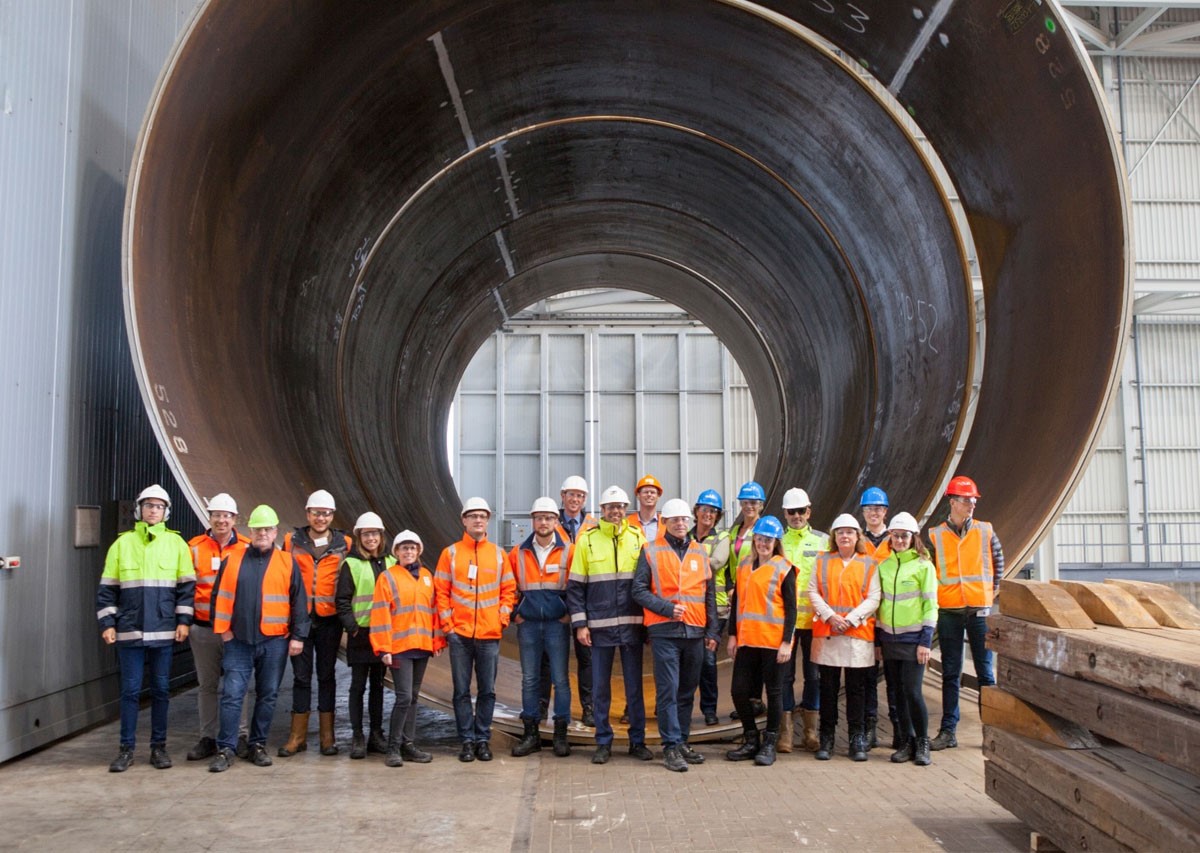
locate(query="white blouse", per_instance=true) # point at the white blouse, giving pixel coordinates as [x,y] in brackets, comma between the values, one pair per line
[840,650]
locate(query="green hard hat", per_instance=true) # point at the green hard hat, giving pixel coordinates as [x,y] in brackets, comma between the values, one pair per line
[263,516]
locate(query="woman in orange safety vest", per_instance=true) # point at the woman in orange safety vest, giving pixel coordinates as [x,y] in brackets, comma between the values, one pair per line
[406,633]
[844,590]
[762,614]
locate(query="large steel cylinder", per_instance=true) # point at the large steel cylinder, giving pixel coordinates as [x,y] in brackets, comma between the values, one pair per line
[333,204]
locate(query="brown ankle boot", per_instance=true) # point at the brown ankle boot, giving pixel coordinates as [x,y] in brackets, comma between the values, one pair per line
[784,740]
[298,739]
[812,723]
[328,741]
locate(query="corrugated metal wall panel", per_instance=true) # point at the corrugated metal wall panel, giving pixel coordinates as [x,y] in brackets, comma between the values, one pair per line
[77,79]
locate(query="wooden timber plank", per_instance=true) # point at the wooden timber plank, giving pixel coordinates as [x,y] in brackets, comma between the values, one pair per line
[1167,606]
[1164,642]
[1044,814]
[1094,786]
[1042,603]
[1107,604]
[1161,731]
[1003,709]
[1119,658]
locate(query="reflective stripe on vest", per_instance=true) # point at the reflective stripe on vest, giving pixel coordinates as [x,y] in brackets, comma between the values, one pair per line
[678,581]
[760,602]
[964,566]
[207,555]
[406,623]
[320,576]
[276,594]
[531,575]
[364,589]
[844,586]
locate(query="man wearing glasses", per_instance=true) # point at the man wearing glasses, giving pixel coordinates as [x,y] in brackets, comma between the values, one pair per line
[475,591]
[320,550]
[969,564]
[801,545]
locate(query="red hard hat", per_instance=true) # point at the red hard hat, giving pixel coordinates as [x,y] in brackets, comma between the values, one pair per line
[962,487]
[649,480]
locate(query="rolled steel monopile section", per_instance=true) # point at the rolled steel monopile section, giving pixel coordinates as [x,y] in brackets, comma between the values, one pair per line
[332,206]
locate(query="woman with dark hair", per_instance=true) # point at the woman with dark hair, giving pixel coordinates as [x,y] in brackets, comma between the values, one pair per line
[368,559]
[762,613]
[908,613]
[844,591]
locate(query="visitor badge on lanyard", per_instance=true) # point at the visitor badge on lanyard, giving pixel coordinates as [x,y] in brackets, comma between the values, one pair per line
[472,571]
[216,564]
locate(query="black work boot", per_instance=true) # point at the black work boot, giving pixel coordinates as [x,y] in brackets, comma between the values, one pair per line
[242,749]
[206,747]
[467,753]
[747,750]
[858,744]
[871,734]
[945,740]
[376,742]
[562,747]
[690,755]
[483,750]
[121,763]
[921,756]
[904,753]
[411,752]
[766,754]
[588,718]
[258,754]
[395,754]
[673,761]
[530,742]
[897,738]
[825,745]
[159,759]
[358,746]
[223,761]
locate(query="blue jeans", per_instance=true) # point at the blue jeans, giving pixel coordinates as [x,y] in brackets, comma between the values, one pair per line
[708,675]
[554,638]
[264,661]
[479,656]
[952,625]
[677,663]
[134,661]
[635,705]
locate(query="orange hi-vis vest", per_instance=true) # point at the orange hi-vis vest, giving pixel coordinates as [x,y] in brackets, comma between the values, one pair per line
[881,551]
[403,615]
[678,581]
[276,594]
[207,555]
[475,589]
[320,576]
[530,576]
[760,602]
[844,586]
[964,565]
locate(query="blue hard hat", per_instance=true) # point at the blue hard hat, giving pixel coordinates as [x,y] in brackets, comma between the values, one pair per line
[768,525]
[873,496]
[751,491]
[711,497]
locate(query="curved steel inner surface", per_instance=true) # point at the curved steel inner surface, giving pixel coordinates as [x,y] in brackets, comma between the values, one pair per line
[333,205]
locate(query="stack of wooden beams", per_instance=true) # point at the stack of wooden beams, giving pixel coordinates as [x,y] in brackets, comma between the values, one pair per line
[1092,734]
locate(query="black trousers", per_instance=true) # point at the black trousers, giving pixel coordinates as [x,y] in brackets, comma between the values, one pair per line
[857,679]
[360,675]
[324,638]
[754,669]
[909,678]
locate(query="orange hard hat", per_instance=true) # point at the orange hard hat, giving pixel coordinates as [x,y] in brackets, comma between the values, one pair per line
[962,487]
[649,480]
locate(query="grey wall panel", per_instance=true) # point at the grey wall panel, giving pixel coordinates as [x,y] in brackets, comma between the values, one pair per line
[77,78]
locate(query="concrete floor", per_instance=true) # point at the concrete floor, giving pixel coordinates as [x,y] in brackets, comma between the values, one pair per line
[63,798]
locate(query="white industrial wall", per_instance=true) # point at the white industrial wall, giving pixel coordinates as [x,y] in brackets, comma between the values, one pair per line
[539,403]
[75,80]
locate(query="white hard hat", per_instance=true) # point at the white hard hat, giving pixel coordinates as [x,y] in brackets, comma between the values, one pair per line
[676,508]
[845,520]
[614,495]
[904,521]
[407,536]
[155,491]
[796,499]
[474,504]
[544,505]
[320,499]
[222,503]
[368,521]
[158,492]
[574,483]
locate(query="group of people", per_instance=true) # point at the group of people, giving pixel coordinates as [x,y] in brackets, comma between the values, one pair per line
[841,604]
